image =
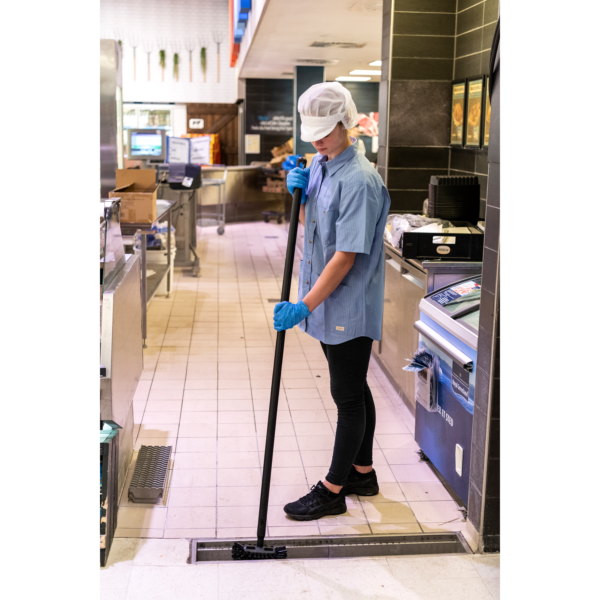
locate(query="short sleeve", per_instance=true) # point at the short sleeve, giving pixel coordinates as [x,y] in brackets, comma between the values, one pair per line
[357,220]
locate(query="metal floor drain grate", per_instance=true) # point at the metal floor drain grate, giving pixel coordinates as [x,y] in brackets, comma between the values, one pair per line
[203,550]
[148,481]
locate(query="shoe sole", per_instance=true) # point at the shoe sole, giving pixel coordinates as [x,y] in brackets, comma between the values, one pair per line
[370,491]
[315,517]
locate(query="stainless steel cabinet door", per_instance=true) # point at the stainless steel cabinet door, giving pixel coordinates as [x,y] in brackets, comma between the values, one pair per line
[412,290]
[391,307]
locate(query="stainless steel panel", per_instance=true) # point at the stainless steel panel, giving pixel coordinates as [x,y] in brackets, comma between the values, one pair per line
[121,354]
[411,290]
[109,64]
[391,311]
[454,353]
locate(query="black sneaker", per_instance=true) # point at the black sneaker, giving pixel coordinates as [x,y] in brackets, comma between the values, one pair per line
[319,502]
[361,484]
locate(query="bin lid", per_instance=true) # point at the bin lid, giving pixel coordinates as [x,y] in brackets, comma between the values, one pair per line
[456,308]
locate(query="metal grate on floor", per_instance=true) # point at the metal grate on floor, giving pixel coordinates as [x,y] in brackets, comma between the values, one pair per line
[148,481]
[205,550]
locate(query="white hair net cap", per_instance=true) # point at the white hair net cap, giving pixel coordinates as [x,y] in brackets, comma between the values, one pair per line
[322,107]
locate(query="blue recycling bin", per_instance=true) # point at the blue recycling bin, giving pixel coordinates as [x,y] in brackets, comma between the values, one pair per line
[448,330]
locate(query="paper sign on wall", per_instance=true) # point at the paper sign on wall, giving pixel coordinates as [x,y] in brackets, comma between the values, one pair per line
[200,150]
[252,143]
[178,150]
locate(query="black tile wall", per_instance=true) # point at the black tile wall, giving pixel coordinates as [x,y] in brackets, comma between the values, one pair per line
[474,511]
[406,201]
[437,6]
[417,46]
[430,69]
[470,19]
[488,36]
[476,469]
[410,179]
[462,160]
[424,24]
[481,390]
[469,43]
[485,62]
[490,11]
[464,4]
[428,158]
[467,66]
[479,429]
[418,113]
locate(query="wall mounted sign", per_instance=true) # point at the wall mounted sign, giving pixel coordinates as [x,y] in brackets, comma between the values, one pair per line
[196,124]
[252,143]
[458,113]
[486,116]
[270,122]
[474,108]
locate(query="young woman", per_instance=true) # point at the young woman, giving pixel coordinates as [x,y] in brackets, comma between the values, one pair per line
[344,209]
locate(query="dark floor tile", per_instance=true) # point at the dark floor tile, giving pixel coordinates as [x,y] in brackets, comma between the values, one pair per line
[462,160]
[427,158]
[469,19]
[490,11]
[436,6]
[424,24]
[419,46]
[429,69]
[419,113]
[469,43]
[407,201]
[411,179]
[469,66]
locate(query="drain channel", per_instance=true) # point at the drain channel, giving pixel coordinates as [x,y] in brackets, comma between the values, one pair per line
[203,550]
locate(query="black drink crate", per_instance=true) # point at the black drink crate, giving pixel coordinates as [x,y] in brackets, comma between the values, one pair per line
[108,488]
[454,198]
[465,246]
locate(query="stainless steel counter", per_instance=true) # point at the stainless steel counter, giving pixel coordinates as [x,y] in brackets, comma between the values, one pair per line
[406,283]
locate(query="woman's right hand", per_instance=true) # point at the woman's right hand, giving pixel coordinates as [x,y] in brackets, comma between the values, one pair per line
[298,178]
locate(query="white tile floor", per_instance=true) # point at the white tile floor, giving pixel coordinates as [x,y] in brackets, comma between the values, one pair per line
[147,569]
[205,391]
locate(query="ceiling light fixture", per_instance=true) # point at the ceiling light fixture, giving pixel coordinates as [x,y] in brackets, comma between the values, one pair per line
[365,72]
[352,78]
[375,63]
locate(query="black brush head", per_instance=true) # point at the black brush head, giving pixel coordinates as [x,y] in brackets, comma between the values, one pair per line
[249,552]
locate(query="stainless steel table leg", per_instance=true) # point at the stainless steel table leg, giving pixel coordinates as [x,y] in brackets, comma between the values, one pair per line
[143,241]
[170,272]
[193,233]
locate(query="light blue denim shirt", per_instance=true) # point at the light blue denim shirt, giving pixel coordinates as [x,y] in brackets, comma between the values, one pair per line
[346,210]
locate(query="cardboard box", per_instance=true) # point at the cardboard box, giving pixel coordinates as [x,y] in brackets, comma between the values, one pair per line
[137,189]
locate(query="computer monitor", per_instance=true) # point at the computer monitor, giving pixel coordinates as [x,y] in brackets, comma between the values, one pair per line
[147,144]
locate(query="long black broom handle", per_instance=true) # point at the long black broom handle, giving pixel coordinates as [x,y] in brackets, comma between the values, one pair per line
[275,382]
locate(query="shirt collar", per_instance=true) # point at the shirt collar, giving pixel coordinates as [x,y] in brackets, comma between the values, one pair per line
[341,159]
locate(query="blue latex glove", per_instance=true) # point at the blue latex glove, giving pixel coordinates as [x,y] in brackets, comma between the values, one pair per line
[298,178]
[286,315]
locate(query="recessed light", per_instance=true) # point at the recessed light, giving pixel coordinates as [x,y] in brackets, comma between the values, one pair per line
[352,78]
[365,72]
[375,63]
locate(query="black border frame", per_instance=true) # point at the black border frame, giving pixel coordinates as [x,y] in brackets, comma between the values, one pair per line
[464,132]
[467,92]
[486,79]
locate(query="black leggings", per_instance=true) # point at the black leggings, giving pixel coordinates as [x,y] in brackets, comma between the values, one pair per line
[348,365]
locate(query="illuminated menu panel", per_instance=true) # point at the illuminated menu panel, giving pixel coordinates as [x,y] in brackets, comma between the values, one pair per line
[474,113]
[458,114]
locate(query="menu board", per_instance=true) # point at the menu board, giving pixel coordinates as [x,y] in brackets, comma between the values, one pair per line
[474,113]
[458,110]
[488,114]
